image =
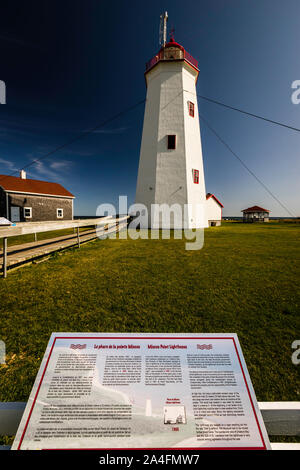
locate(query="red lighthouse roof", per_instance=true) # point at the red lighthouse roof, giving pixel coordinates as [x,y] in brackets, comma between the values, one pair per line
[173,43]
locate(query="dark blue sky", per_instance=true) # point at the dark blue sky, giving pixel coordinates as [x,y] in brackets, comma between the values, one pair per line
[69,65]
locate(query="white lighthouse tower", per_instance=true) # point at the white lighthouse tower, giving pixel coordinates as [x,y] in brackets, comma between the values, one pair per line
[170,174]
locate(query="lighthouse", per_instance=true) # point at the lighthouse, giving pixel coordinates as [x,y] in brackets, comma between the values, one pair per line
[170,182]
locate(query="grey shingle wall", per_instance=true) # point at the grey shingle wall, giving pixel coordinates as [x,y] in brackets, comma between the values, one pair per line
[43,207]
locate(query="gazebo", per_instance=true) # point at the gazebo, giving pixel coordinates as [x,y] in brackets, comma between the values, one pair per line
[256,214]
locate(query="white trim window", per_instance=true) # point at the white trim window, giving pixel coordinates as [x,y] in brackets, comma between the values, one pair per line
[27,211]
[59,213]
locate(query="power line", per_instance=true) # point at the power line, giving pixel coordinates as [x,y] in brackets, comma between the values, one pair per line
[245,166]
[249,114]
[83,134]
[89,131]
[78,137]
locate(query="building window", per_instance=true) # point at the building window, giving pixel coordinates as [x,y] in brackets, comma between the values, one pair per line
[171,142]
[28,212]
[196,176]
[59,213]
[191,109]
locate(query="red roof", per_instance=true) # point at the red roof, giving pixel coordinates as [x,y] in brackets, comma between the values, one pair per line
[255,209]
[173,43]
[17,184]
[209,195]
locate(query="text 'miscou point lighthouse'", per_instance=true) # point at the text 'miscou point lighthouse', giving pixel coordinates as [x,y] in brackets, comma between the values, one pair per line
[171,167]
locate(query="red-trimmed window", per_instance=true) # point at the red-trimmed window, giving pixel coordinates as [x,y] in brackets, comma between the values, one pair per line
[191,109]
[196,176]
[171,142]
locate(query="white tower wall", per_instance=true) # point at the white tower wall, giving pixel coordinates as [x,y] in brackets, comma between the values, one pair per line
[166,176]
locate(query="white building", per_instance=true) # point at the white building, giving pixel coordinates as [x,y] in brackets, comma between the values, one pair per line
[171,168]
[213,210]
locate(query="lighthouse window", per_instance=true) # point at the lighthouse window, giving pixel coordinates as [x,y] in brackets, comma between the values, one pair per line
[191,109]
[196,176]
[171,142]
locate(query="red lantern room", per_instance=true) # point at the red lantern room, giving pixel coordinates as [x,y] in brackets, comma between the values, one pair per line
[172,51]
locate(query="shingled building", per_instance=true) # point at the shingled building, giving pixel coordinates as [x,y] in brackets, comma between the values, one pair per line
[23,199]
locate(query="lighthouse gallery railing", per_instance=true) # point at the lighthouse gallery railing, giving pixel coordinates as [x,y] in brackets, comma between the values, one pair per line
[160,56]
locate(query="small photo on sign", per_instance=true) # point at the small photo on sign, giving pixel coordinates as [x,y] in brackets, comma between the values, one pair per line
[174,414]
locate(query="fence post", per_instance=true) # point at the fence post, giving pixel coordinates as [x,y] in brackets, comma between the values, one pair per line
[78,237]
[4,257]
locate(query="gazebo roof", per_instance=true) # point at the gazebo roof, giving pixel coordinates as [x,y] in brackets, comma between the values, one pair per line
[255,209]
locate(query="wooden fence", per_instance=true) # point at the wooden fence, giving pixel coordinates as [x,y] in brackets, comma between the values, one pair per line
[103,226]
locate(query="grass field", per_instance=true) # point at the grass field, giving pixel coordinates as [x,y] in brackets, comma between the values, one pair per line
[244,280]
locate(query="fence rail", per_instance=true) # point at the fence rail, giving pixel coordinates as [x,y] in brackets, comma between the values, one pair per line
[280,418]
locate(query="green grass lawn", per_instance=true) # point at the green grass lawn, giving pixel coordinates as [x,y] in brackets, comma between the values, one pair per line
[244,280]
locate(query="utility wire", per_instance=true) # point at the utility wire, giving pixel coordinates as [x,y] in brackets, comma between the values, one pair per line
[249,114]
[245,166]
[78,137]
[89,131]
[83,134]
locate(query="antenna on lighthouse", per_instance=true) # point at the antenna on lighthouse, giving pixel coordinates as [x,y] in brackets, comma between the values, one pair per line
[163,29]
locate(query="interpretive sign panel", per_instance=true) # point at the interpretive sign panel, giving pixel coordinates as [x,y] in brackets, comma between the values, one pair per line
[142,391]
